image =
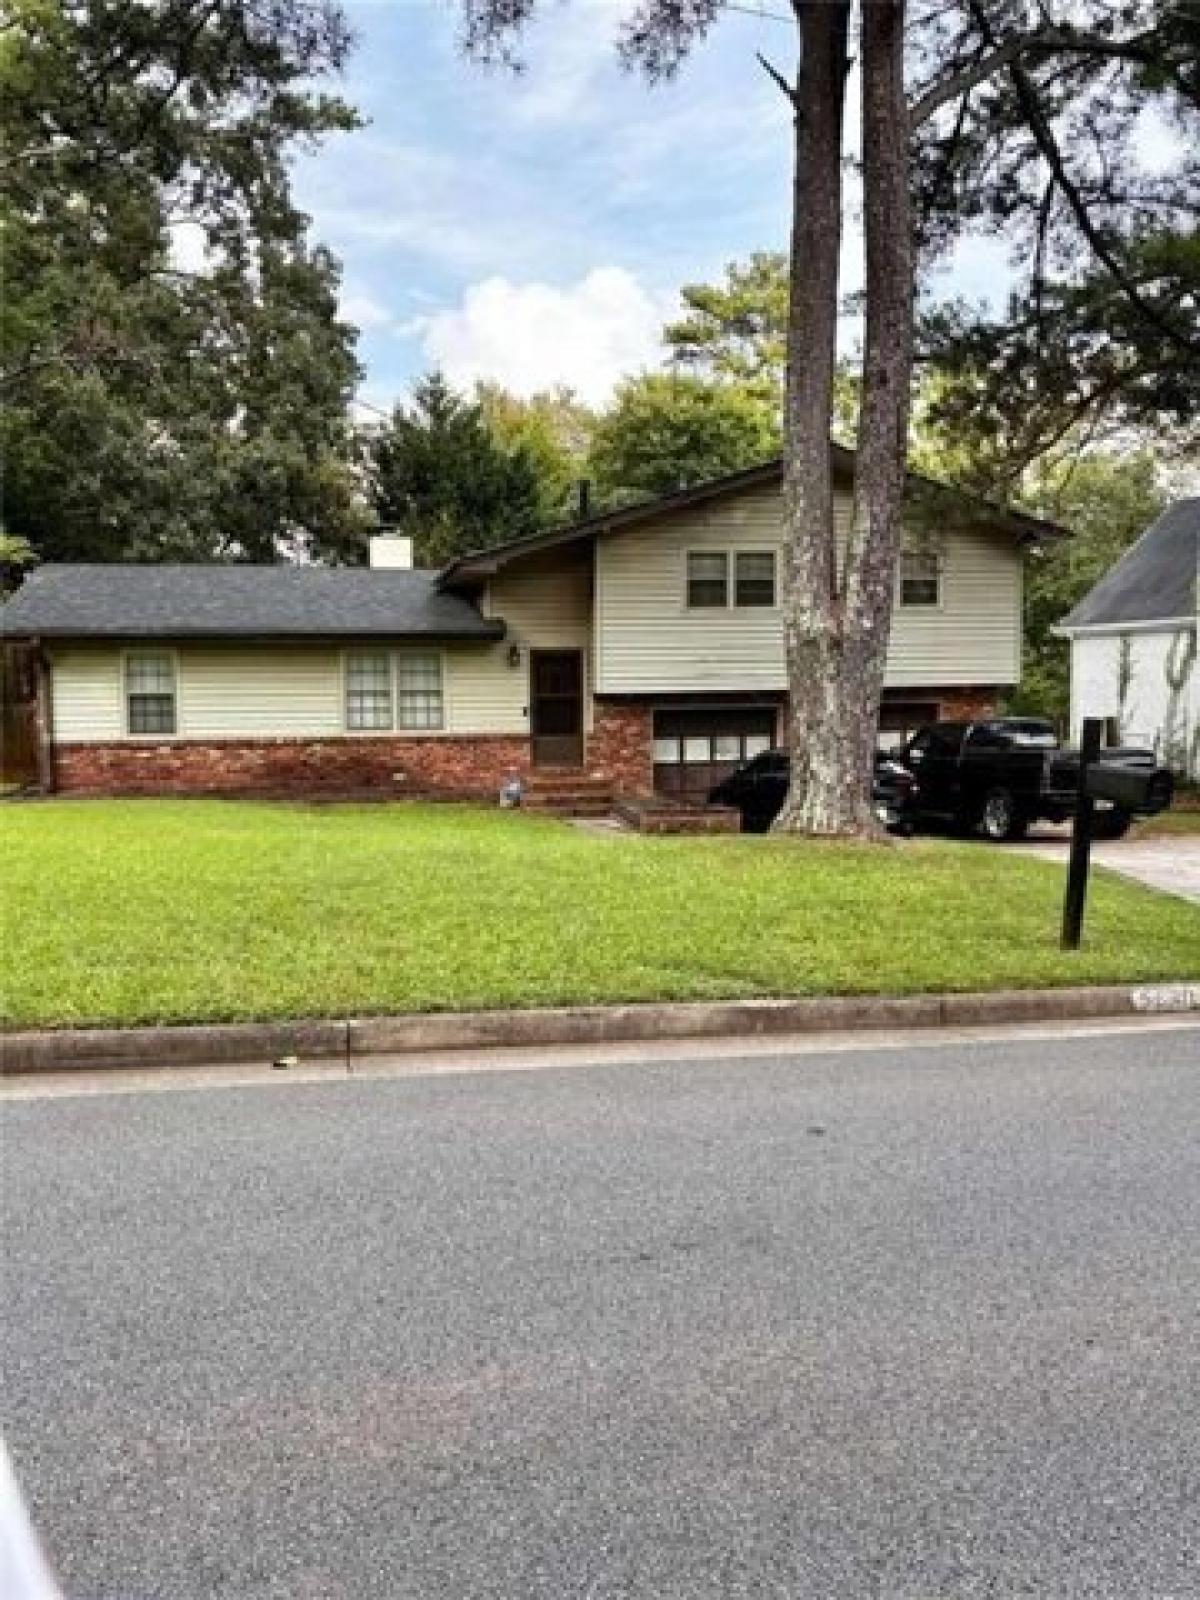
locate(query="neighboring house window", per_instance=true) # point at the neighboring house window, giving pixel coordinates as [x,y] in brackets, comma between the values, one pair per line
[419,689]
[754,578]
[920,578]
[707,579]
[369,689]
[150,692]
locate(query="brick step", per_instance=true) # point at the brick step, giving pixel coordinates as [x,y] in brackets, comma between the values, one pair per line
[594,805]
[564,778]
[577,809]
[580,786]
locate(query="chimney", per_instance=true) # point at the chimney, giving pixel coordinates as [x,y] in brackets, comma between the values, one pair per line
[583,499]
[391,552]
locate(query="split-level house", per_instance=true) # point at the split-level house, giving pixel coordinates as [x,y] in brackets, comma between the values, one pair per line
[641,649]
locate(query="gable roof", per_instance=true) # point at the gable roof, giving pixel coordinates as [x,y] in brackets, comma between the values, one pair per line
[481,563]
[1154,581]
[124,601]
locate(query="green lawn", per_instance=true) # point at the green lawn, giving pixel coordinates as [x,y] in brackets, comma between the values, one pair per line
[1177,820]
[175,910]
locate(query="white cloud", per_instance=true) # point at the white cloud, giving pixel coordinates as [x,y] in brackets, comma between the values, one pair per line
[566,63]
[531,336]
[363,310]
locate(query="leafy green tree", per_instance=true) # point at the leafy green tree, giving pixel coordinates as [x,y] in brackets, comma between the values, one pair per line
[554,429]
[155,404]
[17,555]
[439,474]
[1106,501]
[738,328]
[665,432]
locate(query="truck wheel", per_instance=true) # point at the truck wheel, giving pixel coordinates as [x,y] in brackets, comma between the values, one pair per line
[1111,824]
[1000,819]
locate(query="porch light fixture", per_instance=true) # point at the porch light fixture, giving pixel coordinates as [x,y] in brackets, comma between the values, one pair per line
[514,656]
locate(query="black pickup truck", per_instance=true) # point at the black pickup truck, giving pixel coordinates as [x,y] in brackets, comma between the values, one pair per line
[997,776]
[1002,775]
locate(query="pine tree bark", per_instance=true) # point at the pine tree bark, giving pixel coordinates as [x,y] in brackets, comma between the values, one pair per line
[877,527]
[812,625]
[838,605]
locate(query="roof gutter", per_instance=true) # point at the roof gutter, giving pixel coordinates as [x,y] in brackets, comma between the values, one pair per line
[1063,630]
[492,630]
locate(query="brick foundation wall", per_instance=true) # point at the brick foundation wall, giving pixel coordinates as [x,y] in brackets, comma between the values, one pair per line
[955,704]
[620,746]
[452,767]
[964,705]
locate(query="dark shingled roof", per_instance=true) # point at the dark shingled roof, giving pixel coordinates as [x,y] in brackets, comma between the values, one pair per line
[1155,580]
[210,602]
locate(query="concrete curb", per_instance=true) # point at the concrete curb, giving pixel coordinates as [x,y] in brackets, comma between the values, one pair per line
[227,1043]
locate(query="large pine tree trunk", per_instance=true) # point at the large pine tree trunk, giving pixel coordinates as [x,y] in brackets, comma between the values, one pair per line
[812,622]
[876,530]
[837,615]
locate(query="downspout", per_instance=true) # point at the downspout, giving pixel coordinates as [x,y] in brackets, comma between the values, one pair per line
[43,719]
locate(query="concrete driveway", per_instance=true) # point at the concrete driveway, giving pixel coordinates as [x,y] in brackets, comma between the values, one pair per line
[1171,863]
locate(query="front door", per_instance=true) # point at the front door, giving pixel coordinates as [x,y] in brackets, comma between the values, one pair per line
[556,707]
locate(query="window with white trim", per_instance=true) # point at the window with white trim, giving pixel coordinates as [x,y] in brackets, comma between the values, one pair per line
[920,578]
[707,579]
[150,692]
[368,690]
[419,689]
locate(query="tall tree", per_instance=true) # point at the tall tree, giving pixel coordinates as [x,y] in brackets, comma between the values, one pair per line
[1107,501]
[736,330]
[554,429]
[666,431]
[439,474]
[162,400]
[1014,113]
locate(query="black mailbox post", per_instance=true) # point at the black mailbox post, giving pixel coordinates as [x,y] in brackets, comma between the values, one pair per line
[1138,787]
[1081,836]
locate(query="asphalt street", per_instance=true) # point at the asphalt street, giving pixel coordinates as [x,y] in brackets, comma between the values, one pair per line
[908,1324]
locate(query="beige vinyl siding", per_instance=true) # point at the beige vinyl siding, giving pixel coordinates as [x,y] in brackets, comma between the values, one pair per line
[87,694]
[974,636]
[268,691]
[648,641]
[297,691]
[546,602]
[222,692]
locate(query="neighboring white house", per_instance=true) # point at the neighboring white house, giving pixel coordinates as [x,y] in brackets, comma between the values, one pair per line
[1133,642]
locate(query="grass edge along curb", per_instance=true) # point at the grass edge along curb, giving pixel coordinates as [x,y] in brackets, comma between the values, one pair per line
[82,1049]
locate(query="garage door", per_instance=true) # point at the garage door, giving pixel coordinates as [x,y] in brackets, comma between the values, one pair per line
[693,750]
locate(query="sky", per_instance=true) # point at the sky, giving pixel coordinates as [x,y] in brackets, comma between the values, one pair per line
[536,229]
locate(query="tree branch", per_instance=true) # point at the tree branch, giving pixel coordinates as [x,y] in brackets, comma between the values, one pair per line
[778,79]
[1003,53]
[1043,134]
[962,82]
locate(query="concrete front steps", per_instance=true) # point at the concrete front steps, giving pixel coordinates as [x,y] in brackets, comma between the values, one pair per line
[564,792]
